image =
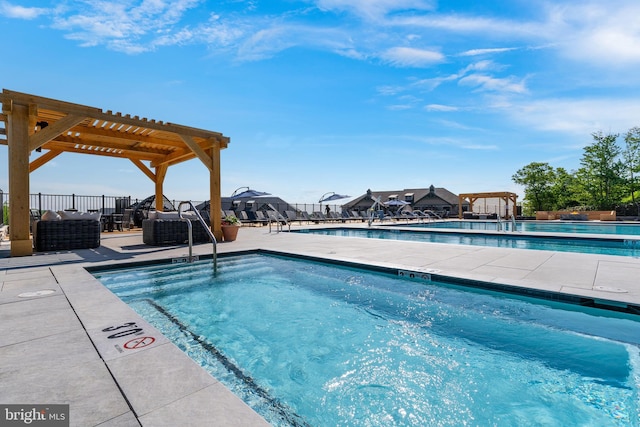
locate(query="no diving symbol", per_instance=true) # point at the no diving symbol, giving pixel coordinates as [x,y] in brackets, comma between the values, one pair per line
[139,343]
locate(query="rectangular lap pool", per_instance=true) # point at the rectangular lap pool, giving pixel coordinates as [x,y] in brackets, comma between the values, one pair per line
[539,226]
[313,344]
[589,245]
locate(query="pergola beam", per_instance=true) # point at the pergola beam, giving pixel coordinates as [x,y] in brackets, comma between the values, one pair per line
[50,155]
[45,135]
[204,157]
[144,169]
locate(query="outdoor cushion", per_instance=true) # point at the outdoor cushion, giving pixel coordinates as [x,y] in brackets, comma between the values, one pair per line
[51,215]
[80,215]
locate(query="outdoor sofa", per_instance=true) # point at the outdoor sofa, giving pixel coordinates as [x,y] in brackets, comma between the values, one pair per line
[167,228]
[60,231]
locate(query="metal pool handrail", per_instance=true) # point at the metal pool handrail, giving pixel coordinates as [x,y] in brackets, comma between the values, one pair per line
[211,235]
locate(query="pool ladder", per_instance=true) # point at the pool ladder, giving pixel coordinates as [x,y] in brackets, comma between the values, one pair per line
[513,223]
[190,232]
[278,219]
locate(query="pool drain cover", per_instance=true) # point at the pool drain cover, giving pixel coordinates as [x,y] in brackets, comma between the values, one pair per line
[40,293]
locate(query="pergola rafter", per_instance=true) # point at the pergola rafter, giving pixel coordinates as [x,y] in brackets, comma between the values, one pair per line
[56,127]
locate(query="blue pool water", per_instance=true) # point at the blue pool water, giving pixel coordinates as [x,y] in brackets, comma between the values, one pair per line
[539,226]
[310,344]
[604,246]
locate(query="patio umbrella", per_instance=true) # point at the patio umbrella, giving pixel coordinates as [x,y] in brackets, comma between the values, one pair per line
[326,197]
[248,192]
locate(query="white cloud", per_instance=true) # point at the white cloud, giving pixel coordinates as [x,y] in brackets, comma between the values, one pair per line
[485,65]
[20,12]
[490,147]
[601,34]
[475,52]
[269,41]
[576,116]
[461,24]
[390,90]
[411,57]
[399,107]
[374,9]
[488,83]
[441,108]
[123,27]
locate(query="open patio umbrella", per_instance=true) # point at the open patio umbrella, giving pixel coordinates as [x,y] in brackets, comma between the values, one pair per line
[248,192]
[326,197]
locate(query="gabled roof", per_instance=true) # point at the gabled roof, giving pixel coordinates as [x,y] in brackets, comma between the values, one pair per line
[441,193]
[418,195]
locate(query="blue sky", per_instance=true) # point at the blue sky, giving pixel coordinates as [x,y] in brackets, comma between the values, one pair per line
[333,95]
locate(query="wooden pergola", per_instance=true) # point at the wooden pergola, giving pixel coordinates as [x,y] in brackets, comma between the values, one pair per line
[474,197]
[55,127]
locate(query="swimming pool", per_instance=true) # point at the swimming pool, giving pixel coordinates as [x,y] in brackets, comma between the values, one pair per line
[308,343]
[539,226]
[604,246]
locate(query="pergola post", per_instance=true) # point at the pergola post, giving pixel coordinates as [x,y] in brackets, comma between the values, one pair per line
[161,173]
[215,200]
[18,141]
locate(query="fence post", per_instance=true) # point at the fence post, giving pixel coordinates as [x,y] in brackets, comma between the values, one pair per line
[39,202]
[1,206]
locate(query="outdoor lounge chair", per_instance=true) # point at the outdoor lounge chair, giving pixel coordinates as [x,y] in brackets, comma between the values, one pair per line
[292,216]
[308,218]
[407,215]
[355,215]
[319,217]
[346,216]
[275,216]
[261,217]
[244,218]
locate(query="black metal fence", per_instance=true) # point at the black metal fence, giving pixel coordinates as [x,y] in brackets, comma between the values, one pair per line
[60,202]
[116,204]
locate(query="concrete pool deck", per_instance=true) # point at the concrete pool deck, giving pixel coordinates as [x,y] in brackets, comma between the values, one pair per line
[65,339]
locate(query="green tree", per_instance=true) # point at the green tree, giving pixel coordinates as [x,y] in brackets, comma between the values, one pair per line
[631,156]
[601,173]
[565,189]
[537,179]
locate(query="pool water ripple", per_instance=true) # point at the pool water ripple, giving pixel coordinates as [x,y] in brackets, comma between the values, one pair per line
[328,345]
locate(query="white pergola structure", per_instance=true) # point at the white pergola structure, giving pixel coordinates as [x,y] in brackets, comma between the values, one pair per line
[55,127]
